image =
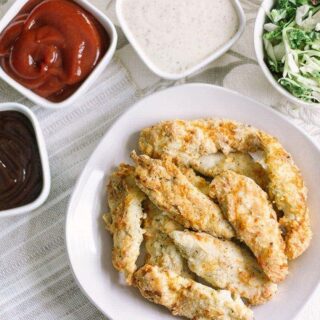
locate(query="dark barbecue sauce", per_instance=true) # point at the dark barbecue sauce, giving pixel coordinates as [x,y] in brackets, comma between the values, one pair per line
[21,178]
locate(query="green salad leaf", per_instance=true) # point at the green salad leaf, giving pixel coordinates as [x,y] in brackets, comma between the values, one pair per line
[292,47]
[298,38]
[295,88]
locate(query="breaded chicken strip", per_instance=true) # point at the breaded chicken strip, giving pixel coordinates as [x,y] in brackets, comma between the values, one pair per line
[187,298]
[288,192]
[189,140]
[124,220]
[172,192]
[160,248]
[225,265]
[247,208]
[241,163]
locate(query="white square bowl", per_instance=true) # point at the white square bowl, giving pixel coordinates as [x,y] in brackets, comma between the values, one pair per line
[105,22]
[175,76]
[10,106]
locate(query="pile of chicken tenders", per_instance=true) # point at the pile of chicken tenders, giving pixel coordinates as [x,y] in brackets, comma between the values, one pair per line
[221,208]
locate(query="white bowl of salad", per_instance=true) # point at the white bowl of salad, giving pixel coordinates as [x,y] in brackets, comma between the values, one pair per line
[287,45]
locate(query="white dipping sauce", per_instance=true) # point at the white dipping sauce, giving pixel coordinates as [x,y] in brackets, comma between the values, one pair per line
[178,34]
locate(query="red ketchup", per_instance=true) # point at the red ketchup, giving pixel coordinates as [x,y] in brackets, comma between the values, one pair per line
[51,47]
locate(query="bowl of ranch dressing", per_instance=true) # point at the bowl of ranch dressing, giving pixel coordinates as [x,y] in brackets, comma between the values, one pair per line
[175,38]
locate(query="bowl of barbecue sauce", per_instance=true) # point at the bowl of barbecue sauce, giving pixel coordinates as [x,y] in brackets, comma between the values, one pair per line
[53,50]
[24,167]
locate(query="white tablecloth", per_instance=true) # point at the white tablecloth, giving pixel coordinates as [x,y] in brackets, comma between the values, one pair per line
[35,279]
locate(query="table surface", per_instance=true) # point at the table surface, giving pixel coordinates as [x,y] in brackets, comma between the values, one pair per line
[35,279]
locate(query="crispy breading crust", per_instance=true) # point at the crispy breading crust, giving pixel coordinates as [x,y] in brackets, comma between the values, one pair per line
[225,265]
[124,220]
[160,248]
[242,163]
[185,297]
[289,194]
[199,182]
[187,140]
[247,208]
[172,192]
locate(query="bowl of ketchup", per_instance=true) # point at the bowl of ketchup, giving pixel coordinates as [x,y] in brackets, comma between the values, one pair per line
[52,51]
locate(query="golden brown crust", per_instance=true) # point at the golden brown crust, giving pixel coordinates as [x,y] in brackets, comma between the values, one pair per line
[124,219]
[241,163]
[160,248]
[199,182]
[172,192]
[289,194]
[175,138]
[247,208]
[188,141]
[187,298]
[225,265]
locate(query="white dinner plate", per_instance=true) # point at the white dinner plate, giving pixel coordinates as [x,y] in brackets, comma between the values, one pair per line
[89,245]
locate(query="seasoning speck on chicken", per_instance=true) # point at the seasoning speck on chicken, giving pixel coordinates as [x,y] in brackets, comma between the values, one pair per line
[172,192]
[185,297]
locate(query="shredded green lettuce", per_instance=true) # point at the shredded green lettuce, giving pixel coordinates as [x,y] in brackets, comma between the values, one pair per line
[292,47]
